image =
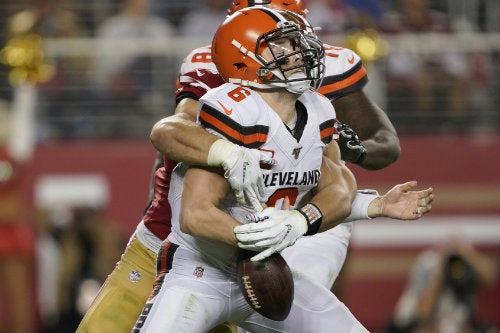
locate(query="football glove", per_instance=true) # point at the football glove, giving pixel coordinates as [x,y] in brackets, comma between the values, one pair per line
[242,170]
[272,231]
[351,148]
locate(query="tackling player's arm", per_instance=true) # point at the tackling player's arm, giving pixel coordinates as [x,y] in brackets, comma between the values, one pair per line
[336,189]
[179,136]
[200,216]
[173,137]
[373,127]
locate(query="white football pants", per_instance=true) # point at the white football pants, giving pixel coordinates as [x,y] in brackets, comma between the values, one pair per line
[195,296]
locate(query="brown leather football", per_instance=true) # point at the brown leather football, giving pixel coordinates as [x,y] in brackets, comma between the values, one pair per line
[267,284]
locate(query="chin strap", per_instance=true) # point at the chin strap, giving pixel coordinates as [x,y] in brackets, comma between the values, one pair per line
[298,87]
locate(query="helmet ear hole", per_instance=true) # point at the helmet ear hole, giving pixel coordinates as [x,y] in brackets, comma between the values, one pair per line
[240,66]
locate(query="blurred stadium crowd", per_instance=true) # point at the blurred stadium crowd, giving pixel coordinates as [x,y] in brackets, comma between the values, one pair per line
[106,69]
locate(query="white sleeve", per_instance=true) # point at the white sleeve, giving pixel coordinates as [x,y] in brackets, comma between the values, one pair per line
[359,209]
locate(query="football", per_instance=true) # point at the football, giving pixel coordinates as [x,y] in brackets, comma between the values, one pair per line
[267,284]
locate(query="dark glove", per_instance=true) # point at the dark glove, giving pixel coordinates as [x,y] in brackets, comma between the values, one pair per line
[351,148]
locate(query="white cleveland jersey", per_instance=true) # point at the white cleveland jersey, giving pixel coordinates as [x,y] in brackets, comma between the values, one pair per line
[241,116]
[344,73]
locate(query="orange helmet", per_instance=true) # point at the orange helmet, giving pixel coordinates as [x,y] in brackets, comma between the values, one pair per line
[297,6]
[240,40]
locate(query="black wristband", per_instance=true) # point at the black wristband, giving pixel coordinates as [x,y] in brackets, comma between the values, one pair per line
[313,217]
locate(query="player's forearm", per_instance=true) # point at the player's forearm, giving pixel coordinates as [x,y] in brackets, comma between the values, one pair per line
[335,194]
[210,223]
[182,140]
[382,150]
[373,127]
[200,216]
[334,211]
[364,206]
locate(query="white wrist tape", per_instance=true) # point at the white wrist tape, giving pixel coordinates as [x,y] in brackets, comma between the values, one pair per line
[219,152]
[359,208]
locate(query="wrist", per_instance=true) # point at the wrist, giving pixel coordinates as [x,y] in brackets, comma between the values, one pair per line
[219,152]
[360,208]
[313,217]
[361,158]
[375,208]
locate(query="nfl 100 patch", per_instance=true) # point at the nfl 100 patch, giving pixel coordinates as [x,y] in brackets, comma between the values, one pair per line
[198,271]
[134,276]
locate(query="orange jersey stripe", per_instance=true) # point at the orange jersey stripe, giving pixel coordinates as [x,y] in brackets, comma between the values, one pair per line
[326,131]
[163,265]
[252,139]
[342,84]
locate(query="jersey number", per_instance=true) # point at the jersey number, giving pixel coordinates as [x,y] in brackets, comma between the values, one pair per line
[291,193]
[204,57]
[238,94]
[330,50]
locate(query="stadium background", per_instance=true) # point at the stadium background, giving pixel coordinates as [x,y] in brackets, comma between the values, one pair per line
[84,145]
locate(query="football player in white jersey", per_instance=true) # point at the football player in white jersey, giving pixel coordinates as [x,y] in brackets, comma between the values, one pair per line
[269,63]
[345,77]
[121,298]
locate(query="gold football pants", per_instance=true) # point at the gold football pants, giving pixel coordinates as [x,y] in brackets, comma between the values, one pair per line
[124,293]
